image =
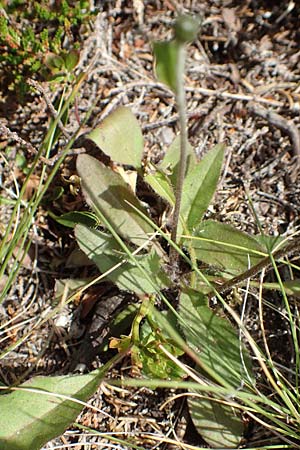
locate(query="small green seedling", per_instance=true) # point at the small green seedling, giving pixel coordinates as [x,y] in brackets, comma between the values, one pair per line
[126,249]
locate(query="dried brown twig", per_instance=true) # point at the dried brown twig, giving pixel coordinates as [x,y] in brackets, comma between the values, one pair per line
[6,132]
[275,119]
[50,106]
[243,97]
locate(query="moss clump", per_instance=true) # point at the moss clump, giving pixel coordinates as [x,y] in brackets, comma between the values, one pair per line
[30,30]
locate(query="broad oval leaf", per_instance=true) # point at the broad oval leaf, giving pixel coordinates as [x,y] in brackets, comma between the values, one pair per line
[220,245]
[199,187]
[107,192]
[103,249]
[219,425]
[119,136]
[37,413]
[71,58]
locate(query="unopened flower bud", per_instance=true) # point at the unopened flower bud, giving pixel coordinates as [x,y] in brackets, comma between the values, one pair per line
[186,28]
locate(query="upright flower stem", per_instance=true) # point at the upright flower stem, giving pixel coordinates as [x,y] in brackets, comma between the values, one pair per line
[181,105]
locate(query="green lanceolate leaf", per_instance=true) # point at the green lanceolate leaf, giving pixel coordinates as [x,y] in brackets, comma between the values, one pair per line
[105,252]
[119,136]
[106,192]
[32,416]
[72,218]
[199,187]
[161,184]
[214,339]
[216,343]
[221,245]
[170,162]
[269,243]
[166,57]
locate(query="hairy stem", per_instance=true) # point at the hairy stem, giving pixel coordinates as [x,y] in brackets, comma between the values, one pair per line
[181,105]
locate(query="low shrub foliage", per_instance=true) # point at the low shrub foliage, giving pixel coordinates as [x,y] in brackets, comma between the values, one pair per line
[38,47]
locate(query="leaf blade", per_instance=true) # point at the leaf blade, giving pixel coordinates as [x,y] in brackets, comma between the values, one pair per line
[222,246]
[106,254]
[161,184]
[200,185]
[70,219]
[218,424]
[166,57]
[30,419]
[119,136]
[170,162]
[107,192]
[215,341]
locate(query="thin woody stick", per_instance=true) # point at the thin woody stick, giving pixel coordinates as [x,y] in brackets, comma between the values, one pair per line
[290,249]
[287,126]
[51,108]
[6,132]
